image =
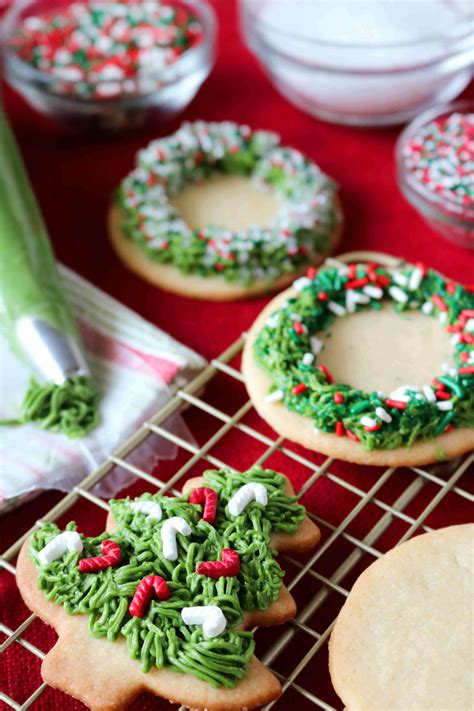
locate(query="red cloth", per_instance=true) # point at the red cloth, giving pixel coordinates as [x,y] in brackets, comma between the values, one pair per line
[74,177]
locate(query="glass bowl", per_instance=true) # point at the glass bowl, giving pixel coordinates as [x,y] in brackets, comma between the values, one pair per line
[165,93]
[450,219]
[362,66]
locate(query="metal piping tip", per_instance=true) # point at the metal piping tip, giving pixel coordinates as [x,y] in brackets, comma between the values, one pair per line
[54,356]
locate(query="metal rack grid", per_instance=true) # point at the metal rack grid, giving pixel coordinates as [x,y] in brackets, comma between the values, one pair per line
[307,630]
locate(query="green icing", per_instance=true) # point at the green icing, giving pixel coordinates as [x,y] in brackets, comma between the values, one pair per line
[160,638]
[302,228]
[280,351]
[70,408]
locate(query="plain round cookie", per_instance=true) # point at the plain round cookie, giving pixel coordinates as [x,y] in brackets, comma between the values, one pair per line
[404,638]
[300,429]
[212,288]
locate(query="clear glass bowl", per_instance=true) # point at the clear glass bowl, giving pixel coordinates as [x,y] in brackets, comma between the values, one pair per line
[313,59]
[453,221]
[170,90]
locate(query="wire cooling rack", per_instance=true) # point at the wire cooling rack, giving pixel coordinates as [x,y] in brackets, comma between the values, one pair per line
[380,508]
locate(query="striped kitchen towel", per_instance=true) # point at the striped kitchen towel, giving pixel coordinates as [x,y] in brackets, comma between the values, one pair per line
[135,365]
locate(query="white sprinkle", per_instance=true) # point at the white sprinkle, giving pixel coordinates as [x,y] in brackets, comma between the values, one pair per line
[427,308]
[375,292]
[301,283]
[308,358]
[398,294]
[469,327]
[429,393]
[399,395]
[400,279]
[415,279]
[316,430]
[444,405]
[368,421]
[316,345]
[455,338]
[353,298]
[383,414]
[452,371]
[445,367]
[275,396]
[336,309]
[443,317]
[272,321]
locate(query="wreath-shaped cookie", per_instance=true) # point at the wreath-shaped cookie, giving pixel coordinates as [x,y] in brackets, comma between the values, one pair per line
[213,262]
[160,602]
[292,388]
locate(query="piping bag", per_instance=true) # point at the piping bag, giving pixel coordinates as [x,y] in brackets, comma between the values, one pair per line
[35,316]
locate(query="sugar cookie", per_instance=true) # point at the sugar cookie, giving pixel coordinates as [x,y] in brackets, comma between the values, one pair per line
[404,638]
[362,410]
[218,211]
[162,600]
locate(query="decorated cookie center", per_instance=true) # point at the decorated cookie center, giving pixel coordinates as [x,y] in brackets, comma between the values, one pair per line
[213,202]
[383,350]
[291,350]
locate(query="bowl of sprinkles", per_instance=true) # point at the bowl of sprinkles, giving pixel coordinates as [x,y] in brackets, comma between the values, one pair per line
[435,167]
[108,64]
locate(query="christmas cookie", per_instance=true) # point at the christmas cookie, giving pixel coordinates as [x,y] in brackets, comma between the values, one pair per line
[404,638]
[218,211]
[161,601]
[368,364]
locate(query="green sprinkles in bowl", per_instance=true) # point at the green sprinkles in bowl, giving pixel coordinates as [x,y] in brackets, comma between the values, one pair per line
[303,227]
[288,349]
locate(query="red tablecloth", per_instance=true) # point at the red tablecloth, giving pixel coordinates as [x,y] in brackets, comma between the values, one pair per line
[74,177]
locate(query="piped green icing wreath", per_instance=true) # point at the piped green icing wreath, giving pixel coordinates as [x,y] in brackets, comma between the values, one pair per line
[111,578]
[289,349]
[302,229]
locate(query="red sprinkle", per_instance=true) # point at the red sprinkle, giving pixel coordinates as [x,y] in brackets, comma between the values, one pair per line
[450,287]
[422,268]
[383,280]
[352,436]
[443,395]
[464,357]
[326,372]
[144,592]
[340,431]
[454,328]
[207,496]
[438,300]
[227,567]
[436,384]
[351,274]
[298,328]
[397,404]
[338,398]
[299,389]
[466,338]
[356,283]
[111,555]
[374,428]
[311,273]
[468,313]
[466,370]
[449,427]
[322,296]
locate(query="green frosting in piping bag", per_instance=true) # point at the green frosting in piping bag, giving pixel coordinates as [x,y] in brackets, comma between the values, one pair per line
[31,288]
[160,638]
